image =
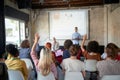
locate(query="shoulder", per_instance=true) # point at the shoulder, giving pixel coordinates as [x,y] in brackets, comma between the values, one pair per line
[99,63]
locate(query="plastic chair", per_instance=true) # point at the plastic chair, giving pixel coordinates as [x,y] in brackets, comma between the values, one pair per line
[111,77]
[28,64]
[91,69]
[73,76]
[50,76]
[15,75]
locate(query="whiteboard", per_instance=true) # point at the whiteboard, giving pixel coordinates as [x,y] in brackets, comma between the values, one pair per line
[63,22]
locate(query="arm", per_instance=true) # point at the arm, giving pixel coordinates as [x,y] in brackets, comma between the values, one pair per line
[33,52]
[54,70]
[83,42]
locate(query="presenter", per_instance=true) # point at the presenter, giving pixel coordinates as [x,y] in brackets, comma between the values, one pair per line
[76,36]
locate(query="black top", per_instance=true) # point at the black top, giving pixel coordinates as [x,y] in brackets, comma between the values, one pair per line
[3,71]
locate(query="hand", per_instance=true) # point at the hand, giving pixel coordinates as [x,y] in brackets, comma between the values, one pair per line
[85,37]
[36,37]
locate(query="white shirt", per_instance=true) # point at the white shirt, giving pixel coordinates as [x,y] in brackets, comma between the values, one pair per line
[74,36]
[72,65]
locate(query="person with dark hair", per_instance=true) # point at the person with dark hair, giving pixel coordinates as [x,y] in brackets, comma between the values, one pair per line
[92,49]
[109,66]
[13,62]
[72,64]
[67,45]
[92,56]
[3,68]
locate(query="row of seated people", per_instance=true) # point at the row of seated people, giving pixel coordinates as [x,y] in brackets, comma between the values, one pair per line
[47,63]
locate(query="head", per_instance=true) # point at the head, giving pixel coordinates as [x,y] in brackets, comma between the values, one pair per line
[93,46]
[48,45]
[112,45]
[45,61]
[111,50]
[76,29]
[10,48]
[73,50]
[25,44]
[67,43]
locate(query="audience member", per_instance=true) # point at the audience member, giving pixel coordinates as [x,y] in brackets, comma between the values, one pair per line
[76,36]
[25,49]
[109,66]
[48,45]
[118,56]
[72,64]
[45,64]
[91,53]
[104,55]
[67,45]
[92,50]
[3,69]
[55,45]
[13,62]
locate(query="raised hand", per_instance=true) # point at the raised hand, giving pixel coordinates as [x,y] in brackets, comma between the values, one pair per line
[85,37]
[36,37]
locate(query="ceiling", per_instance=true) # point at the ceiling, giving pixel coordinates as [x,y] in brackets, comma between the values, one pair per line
[40,4]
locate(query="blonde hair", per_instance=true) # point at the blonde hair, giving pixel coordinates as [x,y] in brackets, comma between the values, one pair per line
[45,61]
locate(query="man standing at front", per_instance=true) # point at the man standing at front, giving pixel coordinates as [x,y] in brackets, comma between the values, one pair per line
[76,36]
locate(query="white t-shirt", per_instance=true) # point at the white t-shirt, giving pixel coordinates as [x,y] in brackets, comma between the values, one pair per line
[73,65]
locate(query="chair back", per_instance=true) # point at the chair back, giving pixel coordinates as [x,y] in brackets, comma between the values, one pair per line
[28,64]
[15,75]
[73,76]
[50,76]
[111,77]
[90,65]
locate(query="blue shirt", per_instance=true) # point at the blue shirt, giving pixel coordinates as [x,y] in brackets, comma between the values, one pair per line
[66,54]
[24,53]
[76,37]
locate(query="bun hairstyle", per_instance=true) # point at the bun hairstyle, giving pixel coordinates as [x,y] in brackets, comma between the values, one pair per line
[73,50]
[48,45]
[11,49]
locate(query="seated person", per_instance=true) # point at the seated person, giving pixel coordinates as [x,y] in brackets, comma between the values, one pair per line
[13,62]
[67,45]
[55,45]
[72,64]
[3,69]
[91,53]
[104,55]
[109,66]
[118,56]
[92,49]
[45,64]
[25,49]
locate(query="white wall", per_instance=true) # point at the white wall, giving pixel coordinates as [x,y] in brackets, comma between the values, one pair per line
[104,25]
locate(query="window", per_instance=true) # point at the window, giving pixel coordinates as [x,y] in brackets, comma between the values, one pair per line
[15,31]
